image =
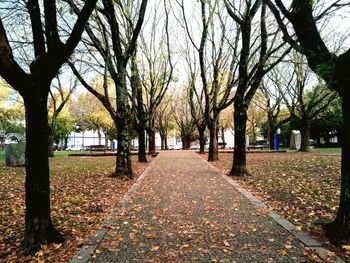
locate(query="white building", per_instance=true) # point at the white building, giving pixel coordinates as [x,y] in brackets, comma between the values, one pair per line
[87,138]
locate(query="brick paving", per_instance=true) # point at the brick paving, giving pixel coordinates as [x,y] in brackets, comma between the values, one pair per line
[184,211]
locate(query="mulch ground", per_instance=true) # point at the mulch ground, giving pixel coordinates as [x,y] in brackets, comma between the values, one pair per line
[185,212]
[303,187]
[82,195]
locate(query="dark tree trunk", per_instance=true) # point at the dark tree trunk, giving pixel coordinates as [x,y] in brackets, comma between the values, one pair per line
[338,231]
[166,141]
[66,142]
[106,138]
[239,156]
[151,149]
[142,145]
[201,141]
[162,139]
[38,225]
[223,137]
[50,146]
[213,144]
[123,163]
[270,131]
[99,137]
[305,135]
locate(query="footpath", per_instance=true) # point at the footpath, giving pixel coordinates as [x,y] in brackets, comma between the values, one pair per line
[183,210]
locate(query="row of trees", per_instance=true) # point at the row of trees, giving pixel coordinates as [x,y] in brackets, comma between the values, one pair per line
[235,54]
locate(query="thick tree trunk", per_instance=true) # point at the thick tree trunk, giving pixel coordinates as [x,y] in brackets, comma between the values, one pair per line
[166,141]
[239,156]
[213,144]
[151,149]
[162,139]
[38,225]
[123,165]
[201,141]
[305,135]
[142,145]
[338,231]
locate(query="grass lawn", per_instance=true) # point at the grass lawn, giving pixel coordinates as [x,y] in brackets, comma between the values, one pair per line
[82,195]
[327,150]
[303,187]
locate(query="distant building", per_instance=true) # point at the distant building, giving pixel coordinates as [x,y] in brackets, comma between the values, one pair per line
[87,138]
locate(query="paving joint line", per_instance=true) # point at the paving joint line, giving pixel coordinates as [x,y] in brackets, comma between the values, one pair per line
[84,253]
[302,236]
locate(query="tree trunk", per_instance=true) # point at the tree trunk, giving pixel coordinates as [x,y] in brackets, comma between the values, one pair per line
[305,135]
[338,231]
[99,137]
[162,139]
[213,144]
[201,141]
[270,131]
[107,138]
[166,141]
[50,146]
[151,149]
[123,165]
[142,145]
[239,156]
[38,225]
[223,137]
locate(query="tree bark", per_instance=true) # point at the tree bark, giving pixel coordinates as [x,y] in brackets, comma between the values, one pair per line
[270,131]
[99,137]
[201,141]
[123,163]
[239,156]
[166,141]
[38,225]
[223,137]
[162,139]
[305,135]
[142,145]
[150,133]
[338,231]
[50,145]
[213,144]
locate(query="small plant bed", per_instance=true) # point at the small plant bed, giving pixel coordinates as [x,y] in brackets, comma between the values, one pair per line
[82,195]
[302,187]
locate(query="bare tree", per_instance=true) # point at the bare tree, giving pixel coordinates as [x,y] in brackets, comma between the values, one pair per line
[333,69]
[34,85]
[113,33]
[156,69]
[259,44]
[217,61]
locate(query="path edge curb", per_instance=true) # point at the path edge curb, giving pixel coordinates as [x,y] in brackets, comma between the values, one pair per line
[84,253]
[302,236]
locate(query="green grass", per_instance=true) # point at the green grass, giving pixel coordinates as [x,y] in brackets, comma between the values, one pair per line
[327,150]
[66,153]
[57,154]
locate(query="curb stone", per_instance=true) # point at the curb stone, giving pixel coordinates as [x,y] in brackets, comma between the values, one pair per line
[302,236]
[84,253]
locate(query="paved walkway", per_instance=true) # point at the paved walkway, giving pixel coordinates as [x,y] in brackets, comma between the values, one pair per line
[184,211]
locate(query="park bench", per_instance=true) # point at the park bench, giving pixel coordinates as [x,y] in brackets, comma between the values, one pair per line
[255,147]
[98,148]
